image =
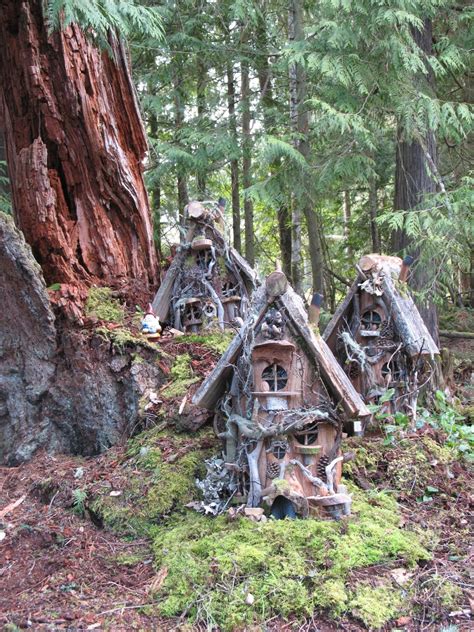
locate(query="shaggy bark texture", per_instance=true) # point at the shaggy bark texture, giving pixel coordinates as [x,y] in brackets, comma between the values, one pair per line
[75,143]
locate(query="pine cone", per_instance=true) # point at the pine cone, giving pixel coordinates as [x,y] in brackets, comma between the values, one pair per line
[321,467]
[273,469]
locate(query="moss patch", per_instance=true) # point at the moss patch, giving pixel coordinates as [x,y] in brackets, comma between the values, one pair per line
[374,606]
[181,377]
[289,568]
[100,304]
[217,342]
[158,477]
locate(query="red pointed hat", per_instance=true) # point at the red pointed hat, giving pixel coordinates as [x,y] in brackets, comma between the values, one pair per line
[150,309]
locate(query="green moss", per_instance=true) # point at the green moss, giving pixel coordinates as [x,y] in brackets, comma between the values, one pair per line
[122,338]
[101,305]
[288,567]
[442,454]
[375,606]
[181,377]
[173,485]
[332,596]
[217,342]
[152,487]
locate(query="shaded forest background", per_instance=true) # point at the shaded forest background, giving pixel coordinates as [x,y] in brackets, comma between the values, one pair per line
[332,127]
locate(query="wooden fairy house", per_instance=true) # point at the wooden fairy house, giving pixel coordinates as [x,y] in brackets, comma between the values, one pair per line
[208,283]
[379,337]
[280,400]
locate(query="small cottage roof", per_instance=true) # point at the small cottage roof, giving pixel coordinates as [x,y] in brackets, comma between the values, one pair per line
[401,308]
[161,302]
[279,292]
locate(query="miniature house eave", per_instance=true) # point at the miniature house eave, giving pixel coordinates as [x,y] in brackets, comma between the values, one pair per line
[334,377]
[162,299]
[410,326]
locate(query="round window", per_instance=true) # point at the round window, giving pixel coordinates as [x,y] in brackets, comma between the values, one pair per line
[275,376]
[279,450]
[371,320]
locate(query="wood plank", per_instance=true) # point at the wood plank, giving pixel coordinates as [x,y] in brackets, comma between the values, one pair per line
[214,385]
[411,328]
[334,377]
[161,302]
[333,325]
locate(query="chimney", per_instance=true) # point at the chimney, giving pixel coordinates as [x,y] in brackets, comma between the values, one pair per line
[407,261]
[315,309]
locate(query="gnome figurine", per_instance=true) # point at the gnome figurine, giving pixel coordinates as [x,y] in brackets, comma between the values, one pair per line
[150,324]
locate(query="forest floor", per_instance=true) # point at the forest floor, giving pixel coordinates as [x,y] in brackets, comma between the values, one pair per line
[65,568]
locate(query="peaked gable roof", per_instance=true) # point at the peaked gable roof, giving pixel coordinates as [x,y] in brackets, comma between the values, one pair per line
[401,308]
[336,381]
[161,302]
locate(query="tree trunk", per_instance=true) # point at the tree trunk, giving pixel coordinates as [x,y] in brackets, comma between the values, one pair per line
[346,222]
[302,202]
[201,110]
[181,180]
[269,122]
[234,163]
[413,181]
[294,23]
[75,143]
[373,211]
[247,164]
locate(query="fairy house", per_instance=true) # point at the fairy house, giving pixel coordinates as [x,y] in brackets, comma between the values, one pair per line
[379,337]
[208,283]
[280,400]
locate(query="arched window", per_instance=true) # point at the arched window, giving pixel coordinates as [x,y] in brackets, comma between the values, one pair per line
[392,368]
[371,320]
[275,376]
[308,436]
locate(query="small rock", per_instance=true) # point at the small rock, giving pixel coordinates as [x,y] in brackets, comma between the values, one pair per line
[253,511]
[79,473]
[403,620]
[115,492]
[249,599]
[3,535]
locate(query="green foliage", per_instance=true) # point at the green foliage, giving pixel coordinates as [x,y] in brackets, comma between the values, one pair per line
[100,304]
[79,497]
[101,17]
[288,567]
[459,436]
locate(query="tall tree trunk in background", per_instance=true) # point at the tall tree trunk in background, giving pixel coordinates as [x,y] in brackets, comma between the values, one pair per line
[302,202]
[413,181]
[269,122]
[156,192]
[247,163]
[234,163]
[373,211]
[181,179]
[346,216]
[75,143]
[201,110]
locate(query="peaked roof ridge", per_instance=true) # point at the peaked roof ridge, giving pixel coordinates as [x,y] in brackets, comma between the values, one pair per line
[395,293]
[276,289]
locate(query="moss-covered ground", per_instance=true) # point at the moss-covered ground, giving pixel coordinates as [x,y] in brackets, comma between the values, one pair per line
[374,568]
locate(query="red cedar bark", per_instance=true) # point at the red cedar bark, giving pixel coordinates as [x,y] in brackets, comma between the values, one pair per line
[75,143]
